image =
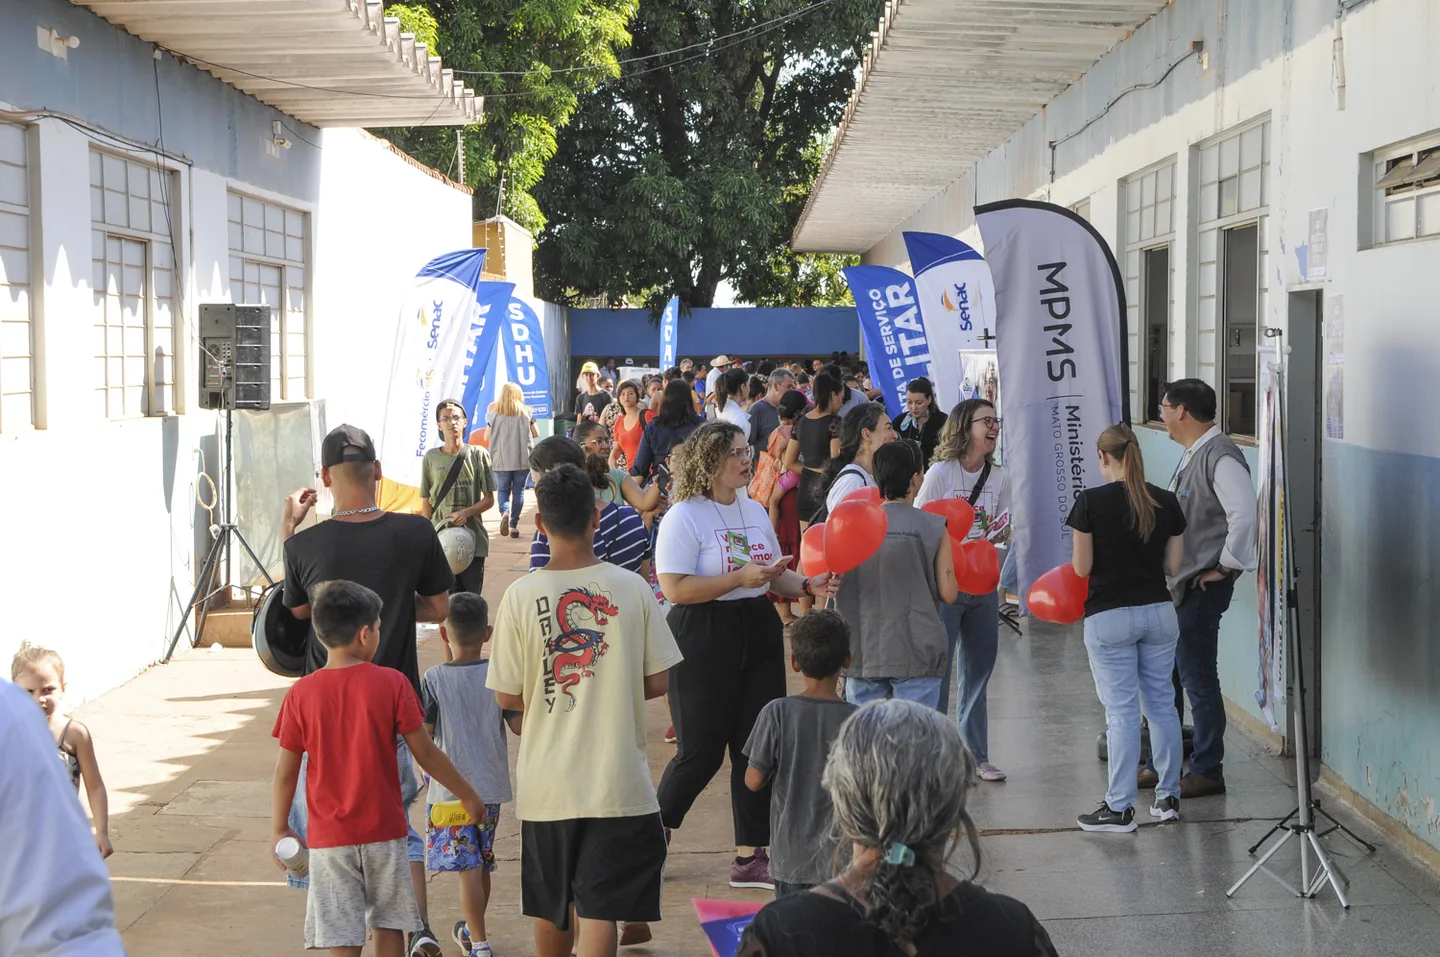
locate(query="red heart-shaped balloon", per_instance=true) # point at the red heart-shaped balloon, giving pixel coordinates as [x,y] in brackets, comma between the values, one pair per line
[812,551]
[1058,596]
[959,516]
[869,493]
[853,532]
[981,572]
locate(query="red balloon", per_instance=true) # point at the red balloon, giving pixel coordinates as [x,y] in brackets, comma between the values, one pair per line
[1058,596]
[981,572]
[853,532]
[959,516]
[812,551]
[869,493]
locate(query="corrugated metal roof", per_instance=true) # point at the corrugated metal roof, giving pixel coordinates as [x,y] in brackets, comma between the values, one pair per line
[325,62]
[944,83]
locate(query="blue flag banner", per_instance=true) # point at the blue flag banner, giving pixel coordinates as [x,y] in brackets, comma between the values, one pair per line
[669,333]
[448,330]
[523,345]
[494,299]
[957,300]
[895,342]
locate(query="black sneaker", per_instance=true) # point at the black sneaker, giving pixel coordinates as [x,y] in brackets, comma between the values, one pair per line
[1104,819]
[422,943]
[1166,810]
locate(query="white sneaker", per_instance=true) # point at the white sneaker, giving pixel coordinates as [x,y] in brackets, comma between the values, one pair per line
[1166,809]
[989,772]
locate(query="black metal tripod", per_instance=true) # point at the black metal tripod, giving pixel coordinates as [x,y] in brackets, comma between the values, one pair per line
[219,549]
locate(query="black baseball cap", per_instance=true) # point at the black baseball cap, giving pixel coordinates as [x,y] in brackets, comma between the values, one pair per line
[346,443]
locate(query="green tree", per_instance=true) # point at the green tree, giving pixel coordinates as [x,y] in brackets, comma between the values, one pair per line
[532,61]
[692,168]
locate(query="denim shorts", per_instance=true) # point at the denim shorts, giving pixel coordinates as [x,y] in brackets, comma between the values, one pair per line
[409,790]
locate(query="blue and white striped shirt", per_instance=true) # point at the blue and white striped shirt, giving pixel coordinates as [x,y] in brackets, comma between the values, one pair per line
[622,539]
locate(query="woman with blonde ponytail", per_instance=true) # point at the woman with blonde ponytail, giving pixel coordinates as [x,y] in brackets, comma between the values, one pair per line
[1126,538]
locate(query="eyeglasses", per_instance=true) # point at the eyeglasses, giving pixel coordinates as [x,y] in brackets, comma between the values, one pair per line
[451,419]
[989,421]
[742,454]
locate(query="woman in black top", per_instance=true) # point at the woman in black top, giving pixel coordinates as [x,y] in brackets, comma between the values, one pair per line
[815,442]
[898,776]
[1126,535]
[922,421]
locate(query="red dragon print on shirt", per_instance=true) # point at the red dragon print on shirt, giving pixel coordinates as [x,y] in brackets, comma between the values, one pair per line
[575,650]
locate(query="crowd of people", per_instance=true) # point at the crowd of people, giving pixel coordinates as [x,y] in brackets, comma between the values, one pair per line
[666,528]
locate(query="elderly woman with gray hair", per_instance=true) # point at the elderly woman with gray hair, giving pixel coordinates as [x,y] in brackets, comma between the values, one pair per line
[898,776]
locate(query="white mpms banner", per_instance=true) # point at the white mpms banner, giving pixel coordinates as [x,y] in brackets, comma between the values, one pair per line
[1060,313]
[448,329]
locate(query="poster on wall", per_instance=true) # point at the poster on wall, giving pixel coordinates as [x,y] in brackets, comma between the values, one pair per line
[1335,367]
[980,379]
[1272,578]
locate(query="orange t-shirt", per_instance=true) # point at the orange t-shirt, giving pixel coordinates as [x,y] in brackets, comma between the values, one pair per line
[629,439]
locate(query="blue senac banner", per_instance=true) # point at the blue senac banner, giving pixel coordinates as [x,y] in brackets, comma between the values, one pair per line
[669,333]
[523,345]
[492,301]
[896,346]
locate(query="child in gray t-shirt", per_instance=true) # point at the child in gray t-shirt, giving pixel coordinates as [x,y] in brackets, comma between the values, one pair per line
[467,724]
[787,752]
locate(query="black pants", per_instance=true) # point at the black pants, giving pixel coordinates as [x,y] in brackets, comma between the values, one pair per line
[734,665]
[472,579]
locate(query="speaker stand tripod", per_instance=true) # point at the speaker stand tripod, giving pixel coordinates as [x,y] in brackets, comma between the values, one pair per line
[1299,823]
[201,599]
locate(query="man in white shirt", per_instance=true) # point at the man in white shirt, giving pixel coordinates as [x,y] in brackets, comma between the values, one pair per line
[717,368]
[1217,496]
[54,890]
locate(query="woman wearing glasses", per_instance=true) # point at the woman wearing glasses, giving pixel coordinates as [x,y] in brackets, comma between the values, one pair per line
[471,494]
[717,557]
[899,647]
[965,468]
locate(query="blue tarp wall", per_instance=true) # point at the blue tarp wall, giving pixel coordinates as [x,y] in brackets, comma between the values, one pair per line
[706,333]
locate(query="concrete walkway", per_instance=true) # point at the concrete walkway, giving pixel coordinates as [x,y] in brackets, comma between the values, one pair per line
[187,755]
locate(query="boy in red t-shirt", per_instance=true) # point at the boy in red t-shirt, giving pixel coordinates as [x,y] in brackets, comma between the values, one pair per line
[346,716]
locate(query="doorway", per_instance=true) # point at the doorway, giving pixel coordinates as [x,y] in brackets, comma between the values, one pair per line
[1303,431]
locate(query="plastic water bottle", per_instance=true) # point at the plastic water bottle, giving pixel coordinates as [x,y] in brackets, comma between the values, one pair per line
[294,856]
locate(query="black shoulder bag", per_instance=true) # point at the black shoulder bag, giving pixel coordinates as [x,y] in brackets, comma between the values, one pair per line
[452,475]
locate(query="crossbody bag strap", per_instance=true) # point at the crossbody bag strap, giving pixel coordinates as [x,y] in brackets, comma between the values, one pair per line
[452,475]
[980,483]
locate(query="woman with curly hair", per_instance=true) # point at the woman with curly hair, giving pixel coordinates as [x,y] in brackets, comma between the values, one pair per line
[717,557]
[965,468]
[898,777]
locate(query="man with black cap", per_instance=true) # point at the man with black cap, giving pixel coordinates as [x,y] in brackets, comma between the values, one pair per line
[399,558]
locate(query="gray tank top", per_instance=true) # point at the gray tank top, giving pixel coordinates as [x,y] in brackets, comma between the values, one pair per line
[889,602]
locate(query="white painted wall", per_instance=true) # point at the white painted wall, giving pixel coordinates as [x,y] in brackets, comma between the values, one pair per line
[1280,64]
[98,523]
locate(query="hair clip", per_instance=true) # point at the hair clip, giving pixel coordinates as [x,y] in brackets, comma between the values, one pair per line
[899,855]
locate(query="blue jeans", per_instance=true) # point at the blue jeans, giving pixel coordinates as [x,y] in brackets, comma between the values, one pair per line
[510,491]
[972,623]
[409,790]
[924,690]
[1199,616]
[1132,653]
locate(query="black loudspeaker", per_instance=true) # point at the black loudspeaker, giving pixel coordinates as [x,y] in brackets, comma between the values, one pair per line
[235,356]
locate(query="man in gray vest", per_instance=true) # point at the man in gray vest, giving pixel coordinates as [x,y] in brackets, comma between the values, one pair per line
[1213,485]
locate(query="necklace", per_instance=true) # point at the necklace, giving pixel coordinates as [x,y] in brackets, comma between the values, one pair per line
[355,511]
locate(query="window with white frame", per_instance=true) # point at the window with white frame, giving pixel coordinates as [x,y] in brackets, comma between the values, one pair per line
[1232,249]
[1082,209]
[268,265]
[17,351]
[1407,191]
[1149,231]
[133,263]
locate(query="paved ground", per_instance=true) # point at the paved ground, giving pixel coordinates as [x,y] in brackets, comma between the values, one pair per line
[187,754]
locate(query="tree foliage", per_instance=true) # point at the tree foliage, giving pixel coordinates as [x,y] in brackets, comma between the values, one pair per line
[535,59]
[693,166]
